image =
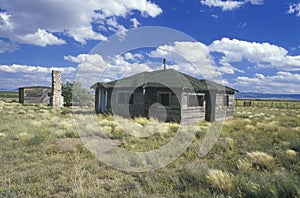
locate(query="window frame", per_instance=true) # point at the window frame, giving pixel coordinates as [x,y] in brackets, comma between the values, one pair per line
[164,93]
[128,97]
[200,104]
[226,100]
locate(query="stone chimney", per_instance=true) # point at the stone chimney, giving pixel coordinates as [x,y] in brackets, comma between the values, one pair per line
[57,99]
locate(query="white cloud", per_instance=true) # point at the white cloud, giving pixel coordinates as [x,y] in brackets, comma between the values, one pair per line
[22,21]
[190,57]
[227,69]
[287,81]
[256,2]
[215,16]
[14,76]
[133,57]
[229,5]
[81,34]
[93,68]
[135,22]
[262,54]
[40,38]
[7,47]
[224,5]
[294,9]
[116,27]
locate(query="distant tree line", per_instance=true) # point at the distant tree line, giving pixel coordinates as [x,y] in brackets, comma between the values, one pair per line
[75,95]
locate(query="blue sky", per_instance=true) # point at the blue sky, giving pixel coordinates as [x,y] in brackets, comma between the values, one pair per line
[251,45]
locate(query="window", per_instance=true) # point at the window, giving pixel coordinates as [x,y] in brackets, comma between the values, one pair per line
[124,97]
[195,100]
[226,100]
[164,99]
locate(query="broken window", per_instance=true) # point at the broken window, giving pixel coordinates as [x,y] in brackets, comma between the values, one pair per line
[124,98]
[195,100]
[226,100]
[164,99]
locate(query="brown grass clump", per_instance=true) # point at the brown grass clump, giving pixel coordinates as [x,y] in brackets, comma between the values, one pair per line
[256,160]
[250,128]
[141,120]
[291,153]
[221,181]
[270,126]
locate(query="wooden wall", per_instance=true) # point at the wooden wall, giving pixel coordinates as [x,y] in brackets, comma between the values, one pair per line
[34,95]
[191,114]
[223,111]
[213,107]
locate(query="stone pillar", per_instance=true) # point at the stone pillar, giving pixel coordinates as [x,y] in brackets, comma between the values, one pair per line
[57,99]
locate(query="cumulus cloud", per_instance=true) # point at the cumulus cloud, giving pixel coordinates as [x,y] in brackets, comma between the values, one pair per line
[190,57]
[229,5]
[224,5]
[294,9]
[14,76]
[40,38]
[93,68]
[40,22]
[133,57]
[262,54]
[287,81]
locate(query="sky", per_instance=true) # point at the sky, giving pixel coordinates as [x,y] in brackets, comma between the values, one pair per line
[250,45]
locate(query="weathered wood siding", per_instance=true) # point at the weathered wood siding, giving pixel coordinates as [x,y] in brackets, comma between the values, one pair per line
[35,95]
[220,108]
[230,107]
[224,109]
[191,114]
[144,100]
[173,111]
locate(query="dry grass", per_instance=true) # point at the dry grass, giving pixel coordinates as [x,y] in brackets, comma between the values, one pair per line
[221,181]
[256,160]
[42,156]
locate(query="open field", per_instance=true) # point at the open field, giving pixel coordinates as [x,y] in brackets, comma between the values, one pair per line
[280,104]
[41,155]
[9,96]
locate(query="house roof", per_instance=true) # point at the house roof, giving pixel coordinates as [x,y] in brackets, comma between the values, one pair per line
[30,87]
[165,78]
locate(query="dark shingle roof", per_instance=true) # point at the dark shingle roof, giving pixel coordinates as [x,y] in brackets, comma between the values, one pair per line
[38,87]
[165,78]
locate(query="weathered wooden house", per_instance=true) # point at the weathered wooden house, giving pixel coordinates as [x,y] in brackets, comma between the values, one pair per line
[35,95]
[166,94]
[42,94]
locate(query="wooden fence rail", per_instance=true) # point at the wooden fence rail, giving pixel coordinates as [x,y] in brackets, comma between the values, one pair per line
[287,104]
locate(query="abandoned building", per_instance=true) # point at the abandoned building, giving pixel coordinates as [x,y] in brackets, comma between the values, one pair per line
[35,95]
[42,94]
[166,94]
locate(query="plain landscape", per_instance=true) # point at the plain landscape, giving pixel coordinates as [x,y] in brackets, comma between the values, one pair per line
[257,155]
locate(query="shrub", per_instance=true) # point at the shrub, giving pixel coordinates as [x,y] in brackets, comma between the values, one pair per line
[221,181]
[271,126]
[141,120]
[256,160]
[250,128]
[291,153]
